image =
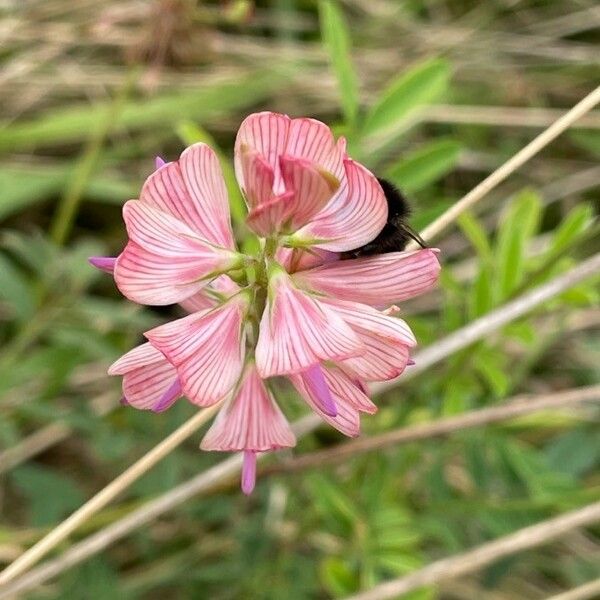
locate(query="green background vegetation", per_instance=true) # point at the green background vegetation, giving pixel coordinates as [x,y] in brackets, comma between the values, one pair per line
[433,94]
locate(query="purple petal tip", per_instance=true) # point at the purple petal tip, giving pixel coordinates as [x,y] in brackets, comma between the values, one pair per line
[249,472]
[172,393]
[159,162]
[410,362]
[316,383]
[104,263]
[123,401]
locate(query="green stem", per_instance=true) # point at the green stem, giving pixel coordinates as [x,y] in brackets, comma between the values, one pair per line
[66,212]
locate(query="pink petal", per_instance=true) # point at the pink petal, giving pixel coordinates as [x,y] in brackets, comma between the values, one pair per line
[297,331]
[273,135]
[217,290]
[165,262]
[382,360]
[311,187]
[307,190]
[314,380]
[299,259]
[258,178]
[199,301]
[248,472]
[375,280]
[265,133]
[349,398]
[104,263]
[192,190]
[147,376]
[267,218]
[313,140]
[354,216]
[367,320]
[250,421]
[387,341]
[207,349]
[171,394]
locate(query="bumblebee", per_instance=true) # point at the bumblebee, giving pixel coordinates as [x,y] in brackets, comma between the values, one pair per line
[396,233]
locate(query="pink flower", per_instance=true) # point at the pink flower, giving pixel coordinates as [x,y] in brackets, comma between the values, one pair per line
[296,310]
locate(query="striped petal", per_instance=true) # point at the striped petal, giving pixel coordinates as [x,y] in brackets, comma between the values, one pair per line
[311,186]
[164,261]
[250,421]
[365,319]
[349,398]
[265,133]
[258,179]
[313,140]
[207,349]
[382,360]
[267,218]
[297,331]
[273,135]
[376,280]
[147,377]
[216,291]
[354,216]
[193,190]
[300,259]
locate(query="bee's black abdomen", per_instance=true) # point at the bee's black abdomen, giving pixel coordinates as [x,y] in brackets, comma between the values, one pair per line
[396,233]
[398,206]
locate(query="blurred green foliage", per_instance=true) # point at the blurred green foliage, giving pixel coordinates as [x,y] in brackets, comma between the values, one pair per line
[371,70]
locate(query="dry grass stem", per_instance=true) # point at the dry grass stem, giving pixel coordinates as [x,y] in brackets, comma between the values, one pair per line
[511,165]
[106,495]
[484,555]
[587,591]
[225,470]
[522,405]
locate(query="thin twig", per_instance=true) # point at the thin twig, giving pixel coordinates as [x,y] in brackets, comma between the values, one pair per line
[493,321]
[583,592]
[500,116]
[225,470]
[486,554]
[511,165]
[51,434]
[104,496]
[477,418]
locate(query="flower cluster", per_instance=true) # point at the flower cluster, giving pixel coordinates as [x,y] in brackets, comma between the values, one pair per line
[295,310]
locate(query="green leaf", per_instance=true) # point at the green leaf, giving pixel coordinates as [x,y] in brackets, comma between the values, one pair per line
[50,494]
[588,140]
[420,85]
[489,366]
[476,234]
[576,222]
[23,187]
[75,122]
[337,577]
[482,295]
[15,290]
[337,42]
[518,225]
[426,165]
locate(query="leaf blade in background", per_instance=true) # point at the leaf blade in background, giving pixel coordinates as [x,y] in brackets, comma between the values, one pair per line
[73,123]
[518,224]
[334,32]
[420,85]
[425,165]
